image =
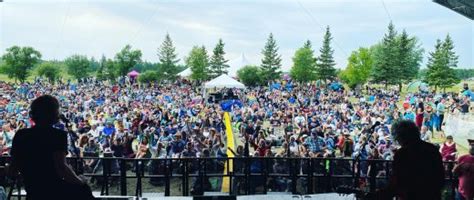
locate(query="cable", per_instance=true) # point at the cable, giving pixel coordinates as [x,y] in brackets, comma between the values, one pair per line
[137,33]
[61,33]
[322,27]
[386,10]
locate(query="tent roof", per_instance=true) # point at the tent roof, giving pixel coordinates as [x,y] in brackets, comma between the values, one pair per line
[236,64]
[224,81]
[185,73]
[133,73]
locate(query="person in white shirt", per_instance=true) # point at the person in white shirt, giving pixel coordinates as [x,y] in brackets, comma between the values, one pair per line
[300,119]
[425,134]
[94,132]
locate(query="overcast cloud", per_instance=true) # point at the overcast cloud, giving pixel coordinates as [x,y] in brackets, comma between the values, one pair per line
[62,28]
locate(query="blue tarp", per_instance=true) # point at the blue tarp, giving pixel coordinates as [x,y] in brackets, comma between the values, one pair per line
[227,105]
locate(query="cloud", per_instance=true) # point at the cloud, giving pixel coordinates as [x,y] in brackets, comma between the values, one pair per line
[61,28]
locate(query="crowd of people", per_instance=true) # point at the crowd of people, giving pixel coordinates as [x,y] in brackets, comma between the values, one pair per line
[285,119]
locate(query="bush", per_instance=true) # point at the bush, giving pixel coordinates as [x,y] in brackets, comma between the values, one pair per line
[49,71]
[148,76]
[250,75]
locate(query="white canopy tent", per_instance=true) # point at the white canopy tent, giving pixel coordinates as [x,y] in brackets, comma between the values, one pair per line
[186,73]
[236,64]
[224,81]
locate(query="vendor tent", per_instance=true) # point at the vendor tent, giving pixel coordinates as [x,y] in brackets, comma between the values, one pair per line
[224,81]
[133,74]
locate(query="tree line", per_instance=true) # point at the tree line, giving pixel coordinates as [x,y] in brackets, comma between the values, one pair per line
[395,60]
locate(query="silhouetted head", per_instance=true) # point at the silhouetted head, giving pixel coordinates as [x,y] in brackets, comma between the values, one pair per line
[44,110]
[406,132]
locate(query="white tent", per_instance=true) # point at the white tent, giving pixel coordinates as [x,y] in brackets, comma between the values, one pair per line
[185,73]
[236,64]
[224,81]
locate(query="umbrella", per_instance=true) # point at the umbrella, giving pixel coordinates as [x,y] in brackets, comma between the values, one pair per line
[417,84]
[133,74]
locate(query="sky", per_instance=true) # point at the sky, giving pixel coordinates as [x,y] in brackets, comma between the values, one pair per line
[61,28]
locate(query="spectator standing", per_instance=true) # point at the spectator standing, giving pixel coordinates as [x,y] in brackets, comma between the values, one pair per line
[448,149]
[464,169]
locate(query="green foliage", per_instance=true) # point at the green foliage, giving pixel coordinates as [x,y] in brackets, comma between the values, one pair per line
[18,62]
[149,76]
[198,61]
[250,75]
[126,59]
[100,74]
[409,57]
[358,68]
[303,69]
[397,58]
[78,66]
[168,59]
[271,62]
[94,64]
[110,70]
[464,73]
[308,45]
[218,64]
[441,64]
[147,66]
[325,65]
[385,69]
[49,70]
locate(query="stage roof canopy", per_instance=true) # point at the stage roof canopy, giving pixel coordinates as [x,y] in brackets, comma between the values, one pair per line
[463,7]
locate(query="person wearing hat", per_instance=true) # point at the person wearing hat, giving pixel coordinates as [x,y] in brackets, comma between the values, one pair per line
[464,170]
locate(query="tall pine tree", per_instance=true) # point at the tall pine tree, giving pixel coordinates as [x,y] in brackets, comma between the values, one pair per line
[451,61]
[308,44]
[441,61]
[325,66]
[168,59]
[271,61]
[436,65]
[409,56]
[218,64]
[386,68]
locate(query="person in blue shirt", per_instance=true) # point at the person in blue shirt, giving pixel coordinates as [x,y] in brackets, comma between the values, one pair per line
[440,109]
[109,130]
[329,142]
[409,115]
[177,146]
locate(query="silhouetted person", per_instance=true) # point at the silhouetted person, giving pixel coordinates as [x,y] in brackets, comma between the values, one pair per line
[417,167]
[39,154]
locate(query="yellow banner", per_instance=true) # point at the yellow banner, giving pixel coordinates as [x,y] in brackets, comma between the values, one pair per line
[230,144]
